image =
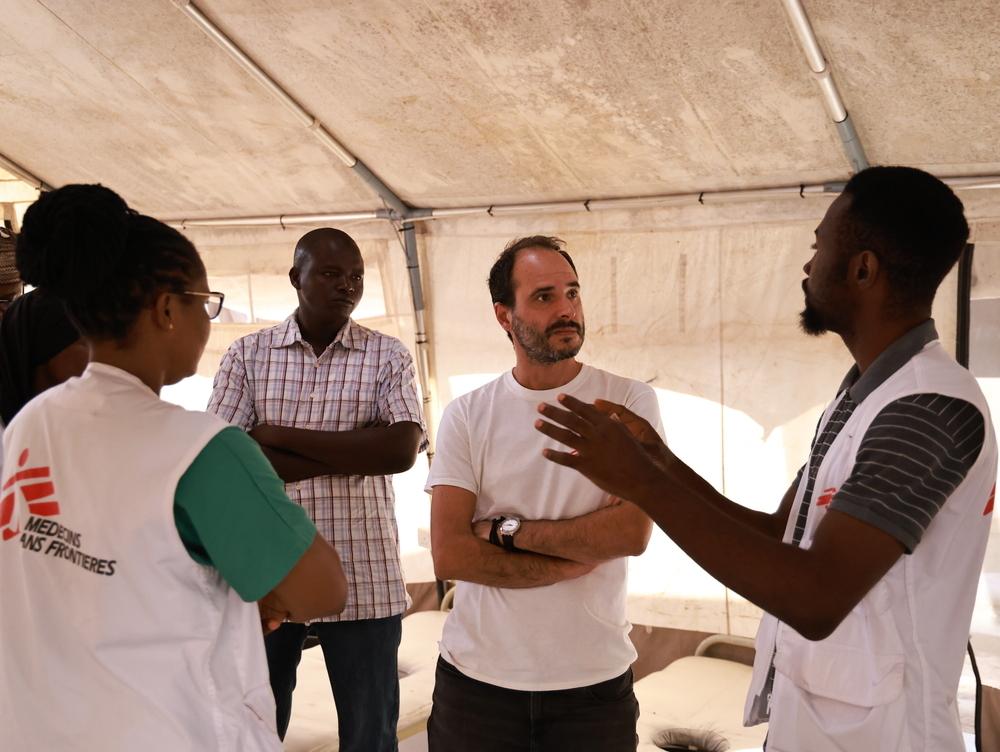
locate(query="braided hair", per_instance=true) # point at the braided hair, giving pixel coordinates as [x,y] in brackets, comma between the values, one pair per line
[107,262]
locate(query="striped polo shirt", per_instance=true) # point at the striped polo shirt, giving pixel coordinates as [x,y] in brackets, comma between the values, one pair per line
[913,456]
[915,453]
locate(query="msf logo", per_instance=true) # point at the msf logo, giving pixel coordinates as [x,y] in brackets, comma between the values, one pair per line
[34,485]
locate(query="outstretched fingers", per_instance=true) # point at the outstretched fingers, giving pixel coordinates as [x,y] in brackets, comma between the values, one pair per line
[562,435]
[584,410]
[567,418]
[567,459]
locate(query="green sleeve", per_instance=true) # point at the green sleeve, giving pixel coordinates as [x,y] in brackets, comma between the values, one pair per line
[232,513]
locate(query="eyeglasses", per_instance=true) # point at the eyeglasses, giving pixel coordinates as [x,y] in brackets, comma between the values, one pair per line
[213,301]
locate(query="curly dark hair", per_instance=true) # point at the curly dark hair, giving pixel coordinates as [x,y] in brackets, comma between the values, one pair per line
[83,244]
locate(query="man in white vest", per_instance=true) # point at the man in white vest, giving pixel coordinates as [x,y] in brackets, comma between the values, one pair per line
[868,569]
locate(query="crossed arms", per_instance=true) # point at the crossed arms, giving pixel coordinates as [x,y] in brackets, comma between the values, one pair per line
[550,550]
[300,453]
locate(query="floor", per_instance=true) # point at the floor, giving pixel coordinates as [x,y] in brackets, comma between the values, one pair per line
[415,743]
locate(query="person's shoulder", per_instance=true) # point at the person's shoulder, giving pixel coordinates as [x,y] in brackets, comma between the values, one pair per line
[932,370]
[374,339]
[623,386]
[37,406]
[197,420]
[262,338]
[232,441]
[475,400]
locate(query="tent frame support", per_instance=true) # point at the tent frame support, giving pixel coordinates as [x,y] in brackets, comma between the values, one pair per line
[20,172]
[424,370]
[395,209]
[308,121]
[398,211]
[853,149]
[963,183]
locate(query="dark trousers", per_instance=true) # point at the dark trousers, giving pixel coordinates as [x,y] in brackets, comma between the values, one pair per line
[360,660]
[471,715]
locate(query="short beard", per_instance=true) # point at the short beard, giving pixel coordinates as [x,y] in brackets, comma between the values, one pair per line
[536,344]
[811,321]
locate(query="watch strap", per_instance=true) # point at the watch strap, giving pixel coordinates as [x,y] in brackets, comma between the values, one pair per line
[508,542]
[495,531]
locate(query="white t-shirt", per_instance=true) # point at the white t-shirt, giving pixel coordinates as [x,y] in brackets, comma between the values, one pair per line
[573,633]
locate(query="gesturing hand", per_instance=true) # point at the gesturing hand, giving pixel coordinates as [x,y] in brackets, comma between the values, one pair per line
[612,446]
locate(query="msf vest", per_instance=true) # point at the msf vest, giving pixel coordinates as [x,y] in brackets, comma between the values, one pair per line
[114,637]
[886,679]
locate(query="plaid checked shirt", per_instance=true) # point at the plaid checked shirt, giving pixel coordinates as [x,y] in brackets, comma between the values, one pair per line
[363,378]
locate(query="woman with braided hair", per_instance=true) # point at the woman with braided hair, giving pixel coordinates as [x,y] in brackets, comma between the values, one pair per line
[142,546]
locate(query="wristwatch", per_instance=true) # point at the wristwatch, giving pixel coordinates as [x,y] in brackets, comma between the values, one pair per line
[503,531]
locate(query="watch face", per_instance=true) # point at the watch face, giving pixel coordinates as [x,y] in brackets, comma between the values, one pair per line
[510,526]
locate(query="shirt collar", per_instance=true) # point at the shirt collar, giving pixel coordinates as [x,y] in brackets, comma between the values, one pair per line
[890,360]
[352,335]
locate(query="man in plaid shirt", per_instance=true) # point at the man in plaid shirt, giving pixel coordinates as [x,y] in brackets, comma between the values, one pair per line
[334,407]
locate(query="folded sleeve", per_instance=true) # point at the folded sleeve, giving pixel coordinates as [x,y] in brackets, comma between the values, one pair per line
[232,513]
[397,399]
[232,395]
[452,465]
[913,456]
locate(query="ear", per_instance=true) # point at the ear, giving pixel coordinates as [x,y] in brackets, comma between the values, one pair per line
[164,310]
[865,269]
[293,277]
[502,313]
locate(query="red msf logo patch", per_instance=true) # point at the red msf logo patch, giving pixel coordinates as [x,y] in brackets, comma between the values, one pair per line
[826,497]
[989,503]
[35,487]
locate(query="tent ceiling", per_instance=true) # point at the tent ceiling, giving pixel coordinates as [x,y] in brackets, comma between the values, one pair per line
[459,102]
[921,78]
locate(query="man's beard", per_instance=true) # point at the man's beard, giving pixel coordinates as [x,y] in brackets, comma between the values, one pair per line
[536,343]
[815,321]
[811,321]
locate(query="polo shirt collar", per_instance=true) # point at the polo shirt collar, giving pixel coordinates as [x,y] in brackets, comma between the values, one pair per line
[351,335]
[890,360]
[286,333]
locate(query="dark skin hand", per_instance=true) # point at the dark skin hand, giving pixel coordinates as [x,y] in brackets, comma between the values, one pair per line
[314,587]
[270,616]
[292,467]
[621,453]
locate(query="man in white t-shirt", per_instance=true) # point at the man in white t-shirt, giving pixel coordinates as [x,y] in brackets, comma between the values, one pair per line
[536,653]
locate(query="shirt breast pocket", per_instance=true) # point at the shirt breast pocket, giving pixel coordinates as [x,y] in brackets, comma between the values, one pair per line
[349,405]
[279,403]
